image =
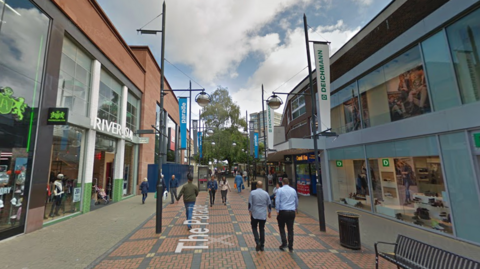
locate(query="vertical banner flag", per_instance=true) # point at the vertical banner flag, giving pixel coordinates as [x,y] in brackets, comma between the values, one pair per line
[270,116]
[251,143]
[322,64]
[255,143]
[194,127]
[200,143]
[182,107]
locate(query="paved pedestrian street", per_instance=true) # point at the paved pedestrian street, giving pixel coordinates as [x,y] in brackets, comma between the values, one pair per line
[229,242]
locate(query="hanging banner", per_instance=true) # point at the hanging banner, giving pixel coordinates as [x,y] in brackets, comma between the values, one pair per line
[270,116]
[322,64]
[194,127]
[255,144]
[182,107]
[200,143]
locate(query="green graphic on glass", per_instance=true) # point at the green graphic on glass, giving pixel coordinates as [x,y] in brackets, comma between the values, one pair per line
[12,105]
[339,163]
[386,162]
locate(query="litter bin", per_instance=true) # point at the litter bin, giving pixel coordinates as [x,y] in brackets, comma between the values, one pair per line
[349,230]
[253,185]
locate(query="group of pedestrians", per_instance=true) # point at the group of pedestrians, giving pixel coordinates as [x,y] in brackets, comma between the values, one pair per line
[259,205]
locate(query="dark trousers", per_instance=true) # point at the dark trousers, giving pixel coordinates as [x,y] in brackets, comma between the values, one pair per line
[224,196]
[212,196]
[173,192]
[258,222]
[144,197]
[286,217]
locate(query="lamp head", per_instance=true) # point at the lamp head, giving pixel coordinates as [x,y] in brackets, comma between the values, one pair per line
[274,102]
[202,99]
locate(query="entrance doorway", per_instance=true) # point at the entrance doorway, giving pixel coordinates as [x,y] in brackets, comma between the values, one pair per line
[103,171]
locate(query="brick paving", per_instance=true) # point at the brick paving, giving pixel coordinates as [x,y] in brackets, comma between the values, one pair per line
[231,243]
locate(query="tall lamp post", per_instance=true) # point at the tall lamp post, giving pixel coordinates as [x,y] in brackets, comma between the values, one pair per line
[158,223]
[275,102]
[264,143]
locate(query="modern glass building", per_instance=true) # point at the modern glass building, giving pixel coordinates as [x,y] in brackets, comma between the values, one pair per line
[405,97]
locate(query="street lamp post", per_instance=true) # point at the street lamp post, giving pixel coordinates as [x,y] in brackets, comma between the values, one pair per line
[265,143]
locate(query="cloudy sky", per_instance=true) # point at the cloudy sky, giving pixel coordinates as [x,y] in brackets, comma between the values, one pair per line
[240,44]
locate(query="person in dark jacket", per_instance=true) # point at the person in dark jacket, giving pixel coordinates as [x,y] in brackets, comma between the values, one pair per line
[173,188]
[212,189]
[144,189]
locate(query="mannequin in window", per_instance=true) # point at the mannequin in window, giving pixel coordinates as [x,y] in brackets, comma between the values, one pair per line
[57,195]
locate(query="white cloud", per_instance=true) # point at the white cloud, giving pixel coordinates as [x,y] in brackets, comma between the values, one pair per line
[364,2]
[285,61]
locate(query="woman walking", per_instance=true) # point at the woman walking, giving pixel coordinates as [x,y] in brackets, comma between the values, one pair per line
[224,188]
[144,189]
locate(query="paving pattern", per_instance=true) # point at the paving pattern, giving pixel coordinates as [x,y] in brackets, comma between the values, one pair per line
[231,243]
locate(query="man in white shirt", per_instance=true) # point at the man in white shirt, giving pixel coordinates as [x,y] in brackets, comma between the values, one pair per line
[286,202]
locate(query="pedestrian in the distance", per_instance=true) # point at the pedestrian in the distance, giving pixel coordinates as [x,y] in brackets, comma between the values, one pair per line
[244,175]
[212,189]
[173,188]
[144,189]
[286,204]
[272,197]
[224,188]
[239,182]
[189,193]
[258,205]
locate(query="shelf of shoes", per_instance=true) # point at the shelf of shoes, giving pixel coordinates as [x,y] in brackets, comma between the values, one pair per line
[425,199]
[353,201]
[393,210]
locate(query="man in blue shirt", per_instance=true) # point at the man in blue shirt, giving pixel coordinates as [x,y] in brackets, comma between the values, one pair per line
[286,201]
[239,182]
[212,189]
[173,188]
[258,203]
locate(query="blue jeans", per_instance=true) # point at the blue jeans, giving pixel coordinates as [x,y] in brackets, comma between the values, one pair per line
[239,188]
[189,211]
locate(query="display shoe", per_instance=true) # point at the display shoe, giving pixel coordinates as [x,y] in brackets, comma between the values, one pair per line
[418,222]
[399,216]
[443,214]
[359,204]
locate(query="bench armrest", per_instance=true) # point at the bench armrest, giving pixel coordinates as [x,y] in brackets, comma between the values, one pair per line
[382,243]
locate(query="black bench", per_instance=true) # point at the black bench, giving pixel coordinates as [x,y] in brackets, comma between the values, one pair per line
[411,253]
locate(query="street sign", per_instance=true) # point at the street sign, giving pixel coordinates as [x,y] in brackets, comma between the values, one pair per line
[148,131]
[143,140]
[339,163]
[386,162]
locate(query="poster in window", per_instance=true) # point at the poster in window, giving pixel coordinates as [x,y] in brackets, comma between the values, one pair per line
[408,95]
[352,113]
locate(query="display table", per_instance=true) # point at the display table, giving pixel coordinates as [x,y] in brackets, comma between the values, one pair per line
[426,198]
[393,210]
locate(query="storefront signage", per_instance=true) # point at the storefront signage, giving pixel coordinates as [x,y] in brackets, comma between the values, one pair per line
[322,63]
[255,144]
[57,116]
[386,162]
[112,127]
[287,159]
[143,140]
[76,194]
[5,190]
[12,105]
[476,139]
[310,158]
[182,107]
[339,163]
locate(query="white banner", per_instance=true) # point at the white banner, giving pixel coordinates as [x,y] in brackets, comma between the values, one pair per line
[322,64]
[270,116]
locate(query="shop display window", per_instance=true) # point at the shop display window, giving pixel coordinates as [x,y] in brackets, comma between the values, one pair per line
[464,39]
[129,175]
[109,98]
[133,111]
[346,114]
[438,66]
[74,86]
[395,91]
[23,36]
[64,188]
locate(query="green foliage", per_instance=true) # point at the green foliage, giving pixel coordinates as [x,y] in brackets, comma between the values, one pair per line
[224,117]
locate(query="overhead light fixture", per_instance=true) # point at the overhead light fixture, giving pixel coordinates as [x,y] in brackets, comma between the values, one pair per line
[202,99]
[274,102]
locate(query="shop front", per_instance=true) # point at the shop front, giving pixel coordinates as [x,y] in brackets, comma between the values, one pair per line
[305,174]
[23,37]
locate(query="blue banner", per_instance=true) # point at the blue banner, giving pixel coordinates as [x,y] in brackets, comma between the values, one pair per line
[255,144]
[200,143]
[182,108]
